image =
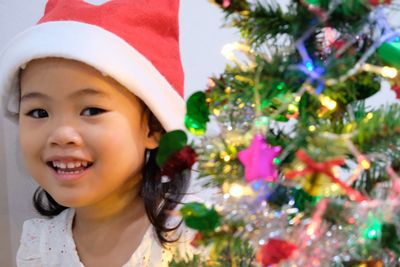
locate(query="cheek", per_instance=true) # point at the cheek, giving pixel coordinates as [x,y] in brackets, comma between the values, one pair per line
[31,146]
[30,143]
[119,144]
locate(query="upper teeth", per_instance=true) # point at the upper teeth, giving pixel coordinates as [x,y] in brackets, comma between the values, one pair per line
[69,165]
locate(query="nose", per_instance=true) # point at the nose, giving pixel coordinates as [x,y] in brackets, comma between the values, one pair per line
[64,136]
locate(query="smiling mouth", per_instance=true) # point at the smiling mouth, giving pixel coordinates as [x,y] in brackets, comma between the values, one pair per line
[74,170]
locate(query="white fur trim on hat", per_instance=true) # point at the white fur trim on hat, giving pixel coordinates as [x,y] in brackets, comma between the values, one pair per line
[98,48]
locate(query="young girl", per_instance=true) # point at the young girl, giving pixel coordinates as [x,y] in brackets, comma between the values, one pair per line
[93,88]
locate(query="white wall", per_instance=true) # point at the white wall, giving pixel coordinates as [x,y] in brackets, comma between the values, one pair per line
[201,41]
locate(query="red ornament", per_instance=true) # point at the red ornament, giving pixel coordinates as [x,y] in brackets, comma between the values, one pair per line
[379,2]
[232,5]
[226,3]
[179,161]
[223,3]
[275,251]
[338,44]
[396,89]
[196,240]
[326,168]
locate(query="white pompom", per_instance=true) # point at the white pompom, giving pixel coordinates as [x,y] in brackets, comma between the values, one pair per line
[96,2]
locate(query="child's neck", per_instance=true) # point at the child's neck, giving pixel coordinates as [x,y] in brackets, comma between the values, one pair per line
[108,233]
[125,205]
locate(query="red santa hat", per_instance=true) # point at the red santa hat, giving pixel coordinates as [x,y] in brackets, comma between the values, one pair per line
[135,42]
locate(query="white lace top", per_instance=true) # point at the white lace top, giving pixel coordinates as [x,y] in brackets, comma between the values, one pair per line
[49,243]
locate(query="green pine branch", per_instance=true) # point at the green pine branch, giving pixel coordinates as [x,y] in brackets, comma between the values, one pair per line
[379,132]
[268,20]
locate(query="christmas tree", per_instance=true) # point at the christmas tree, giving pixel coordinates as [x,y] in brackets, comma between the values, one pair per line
[308,174]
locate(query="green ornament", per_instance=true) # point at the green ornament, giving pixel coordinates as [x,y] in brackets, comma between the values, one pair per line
[197,216]
[197,113]
[281,118]
[170,143]
[389,52]
[195,127]
[303,200]
[313,2]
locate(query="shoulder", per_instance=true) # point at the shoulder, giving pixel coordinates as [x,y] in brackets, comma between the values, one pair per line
[29,250]
[35,237]
[151,253]
[36,228]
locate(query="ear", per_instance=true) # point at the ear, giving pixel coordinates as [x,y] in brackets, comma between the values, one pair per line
[153,129]
[153,139]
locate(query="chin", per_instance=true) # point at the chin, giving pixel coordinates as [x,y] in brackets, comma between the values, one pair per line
[70,200]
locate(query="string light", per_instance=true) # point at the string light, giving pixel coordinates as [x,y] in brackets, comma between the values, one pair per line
[261,121]
[293,108]
[211,83]
[387,72]
[319,89]
[361,62]
[364,162]
[244,79]
[311,229]
[236,190]
[216,112]
[227,158]
[280,86]
[309,65]
[327,102]
[228,52]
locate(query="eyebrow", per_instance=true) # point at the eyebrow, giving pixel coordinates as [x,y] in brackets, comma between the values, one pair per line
[86,91]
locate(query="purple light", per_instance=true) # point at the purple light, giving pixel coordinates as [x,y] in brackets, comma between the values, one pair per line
[319,88]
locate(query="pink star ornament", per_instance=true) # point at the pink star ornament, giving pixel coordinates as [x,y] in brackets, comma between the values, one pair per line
[258,160]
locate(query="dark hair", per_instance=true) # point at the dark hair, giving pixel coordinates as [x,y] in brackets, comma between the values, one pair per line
[159,198]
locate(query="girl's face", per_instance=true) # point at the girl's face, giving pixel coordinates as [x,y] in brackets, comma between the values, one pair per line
[69,112]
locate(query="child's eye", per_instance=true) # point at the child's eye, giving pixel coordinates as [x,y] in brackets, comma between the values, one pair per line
[37,113]
[93,111]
